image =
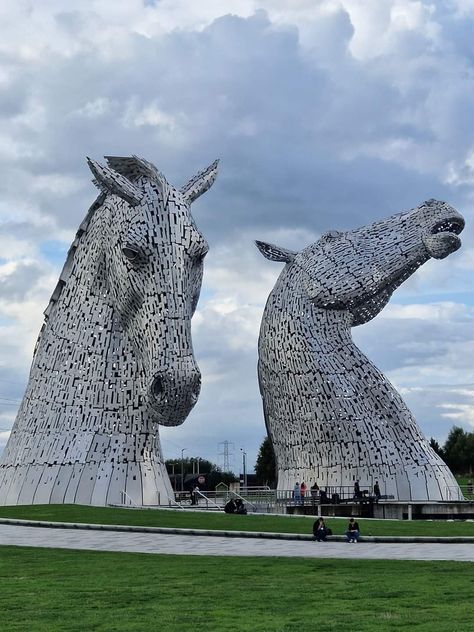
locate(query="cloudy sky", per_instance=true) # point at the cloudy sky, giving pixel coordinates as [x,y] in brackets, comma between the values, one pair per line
[326,114]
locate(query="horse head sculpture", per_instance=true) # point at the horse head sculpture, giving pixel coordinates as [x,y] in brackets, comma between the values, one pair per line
[152,265]
[114,358]
[330,413]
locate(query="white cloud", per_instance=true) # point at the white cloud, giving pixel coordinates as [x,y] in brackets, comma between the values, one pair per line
[459,412]
[446,311]
[97,108]
[326,114]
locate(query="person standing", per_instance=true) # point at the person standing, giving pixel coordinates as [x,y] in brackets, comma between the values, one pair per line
[314,492]
[377,493]
[297,493]
[357,493]
[195,495]
[302,491]
[353,532]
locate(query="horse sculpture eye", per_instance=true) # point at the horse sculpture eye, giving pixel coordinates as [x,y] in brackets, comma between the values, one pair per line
[332,234]
[130,253]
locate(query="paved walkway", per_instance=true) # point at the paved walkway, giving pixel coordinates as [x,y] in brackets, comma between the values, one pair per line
[200,545]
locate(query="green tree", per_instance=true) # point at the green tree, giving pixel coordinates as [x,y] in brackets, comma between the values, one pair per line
[458,450]
[436,447]
[265,467]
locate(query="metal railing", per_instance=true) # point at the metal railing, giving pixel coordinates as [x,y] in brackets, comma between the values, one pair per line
[172,501]
[123,499]
[207,499]
[233,494]
[467,491]
[331,494]
[461,493]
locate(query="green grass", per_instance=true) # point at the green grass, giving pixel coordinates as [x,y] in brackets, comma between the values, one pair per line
[210,520]
[53,590]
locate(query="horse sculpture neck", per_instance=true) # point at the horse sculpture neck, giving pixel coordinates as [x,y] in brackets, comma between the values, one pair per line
[84,383]
[82,345]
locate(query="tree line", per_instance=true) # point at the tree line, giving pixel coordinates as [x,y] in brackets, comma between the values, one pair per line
[457,451]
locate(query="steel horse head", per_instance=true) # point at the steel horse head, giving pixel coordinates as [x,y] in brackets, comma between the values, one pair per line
[114,358]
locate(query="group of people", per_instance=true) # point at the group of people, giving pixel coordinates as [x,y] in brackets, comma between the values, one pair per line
[235,506]
[358,493]
[300,493]
[321,531]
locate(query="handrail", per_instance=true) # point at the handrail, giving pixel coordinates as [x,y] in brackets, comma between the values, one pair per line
[256,488]
[466,492]
[125,495]
[243,499]
[175,502]
[208,499]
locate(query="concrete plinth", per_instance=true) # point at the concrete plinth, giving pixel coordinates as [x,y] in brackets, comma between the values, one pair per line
[390,510]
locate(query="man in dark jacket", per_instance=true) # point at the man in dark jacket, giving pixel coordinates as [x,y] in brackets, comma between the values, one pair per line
[353,532]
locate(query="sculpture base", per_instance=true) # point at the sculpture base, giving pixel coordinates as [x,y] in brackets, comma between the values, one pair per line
[99,484]
[390,510]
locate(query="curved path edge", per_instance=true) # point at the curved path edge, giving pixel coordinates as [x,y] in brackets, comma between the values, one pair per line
[234,534]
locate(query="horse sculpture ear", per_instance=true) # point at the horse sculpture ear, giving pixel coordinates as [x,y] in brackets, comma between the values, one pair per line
[275,253]
[200,183]
[109,181]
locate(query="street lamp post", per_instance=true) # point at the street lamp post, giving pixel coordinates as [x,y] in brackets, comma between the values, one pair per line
[244,466]
[182,469]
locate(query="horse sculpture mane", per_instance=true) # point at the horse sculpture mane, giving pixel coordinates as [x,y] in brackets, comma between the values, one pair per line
[330,413]
[114,358]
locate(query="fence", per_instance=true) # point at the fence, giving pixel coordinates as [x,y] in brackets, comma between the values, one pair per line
[264,499]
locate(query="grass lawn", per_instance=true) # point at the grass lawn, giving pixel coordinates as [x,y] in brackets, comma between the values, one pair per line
[209,520]
[52,590]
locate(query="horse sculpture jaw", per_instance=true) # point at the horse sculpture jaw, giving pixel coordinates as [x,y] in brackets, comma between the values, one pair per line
[443,239]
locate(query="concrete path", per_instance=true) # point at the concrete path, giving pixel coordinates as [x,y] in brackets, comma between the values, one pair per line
[201,545]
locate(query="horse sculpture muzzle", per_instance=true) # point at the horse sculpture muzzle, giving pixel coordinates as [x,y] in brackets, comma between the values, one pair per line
[173,394]
[443,238]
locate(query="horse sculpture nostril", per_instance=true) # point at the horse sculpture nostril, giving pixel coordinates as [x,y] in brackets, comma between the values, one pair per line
[157,387]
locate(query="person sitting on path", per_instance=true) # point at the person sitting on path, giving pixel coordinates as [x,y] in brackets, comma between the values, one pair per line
[230,506]
[320,531]
[353,532]
[240,507]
